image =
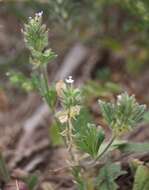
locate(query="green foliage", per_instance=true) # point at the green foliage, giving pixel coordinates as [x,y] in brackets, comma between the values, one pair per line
[141,181]
[71,97]
[130,147]
[82,120]
[123,115]
[74,122]
[90,139]
[36,39]
[107,176]
[94,15]
[115,21]
[107,23]
[70,101]
[125,147]
[35,33]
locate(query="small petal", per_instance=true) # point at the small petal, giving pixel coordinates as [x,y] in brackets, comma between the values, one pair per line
[39,14]
[69,80]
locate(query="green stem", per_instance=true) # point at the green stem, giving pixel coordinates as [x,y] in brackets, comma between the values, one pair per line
[44,73]
[106,148]
[70,140]
[45,76]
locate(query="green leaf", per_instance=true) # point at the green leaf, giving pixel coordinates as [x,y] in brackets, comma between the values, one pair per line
[87,137]
[99,139]
[90,139]
[141,181]
[108,111]
[82,120]
[127,147]
[107,176]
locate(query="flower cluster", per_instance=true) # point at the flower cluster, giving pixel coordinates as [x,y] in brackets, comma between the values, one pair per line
[70,100]
[36,39]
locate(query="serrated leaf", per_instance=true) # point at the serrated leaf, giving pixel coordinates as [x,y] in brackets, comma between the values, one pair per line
[90,139]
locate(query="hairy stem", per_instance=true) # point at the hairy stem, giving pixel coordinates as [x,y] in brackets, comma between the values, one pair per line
[70,139]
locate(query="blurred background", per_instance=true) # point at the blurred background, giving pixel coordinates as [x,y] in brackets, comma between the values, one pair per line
[103,44]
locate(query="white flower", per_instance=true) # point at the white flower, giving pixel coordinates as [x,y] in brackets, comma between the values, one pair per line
[39,14]
[69,80]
